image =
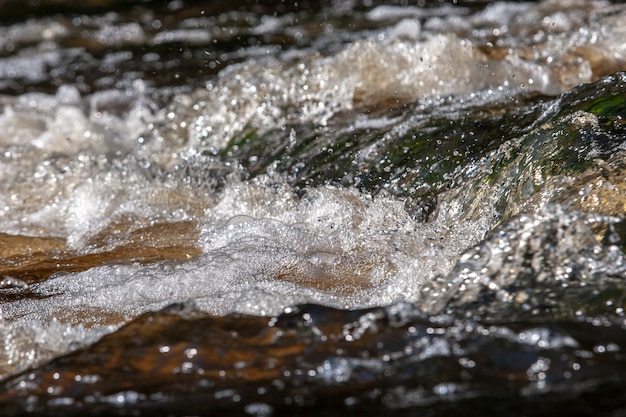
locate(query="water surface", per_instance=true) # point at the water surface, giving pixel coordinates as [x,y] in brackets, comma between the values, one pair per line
[365,207]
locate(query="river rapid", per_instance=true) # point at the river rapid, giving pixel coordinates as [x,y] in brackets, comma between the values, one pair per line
[338,208]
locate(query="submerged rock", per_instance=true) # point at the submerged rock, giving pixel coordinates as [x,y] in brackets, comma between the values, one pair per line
[314,360]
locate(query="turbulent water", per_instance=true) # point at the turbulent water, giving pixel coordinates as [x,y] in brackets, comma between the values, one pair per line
[313,208]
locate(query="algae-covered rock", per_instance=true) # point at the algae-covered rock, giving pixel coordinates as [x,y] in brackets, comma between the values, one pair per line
[501,154]
[575,142]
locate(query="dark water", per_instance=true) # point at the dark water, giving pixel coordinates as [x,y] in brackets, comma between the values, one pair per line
[392,360]
[364,208]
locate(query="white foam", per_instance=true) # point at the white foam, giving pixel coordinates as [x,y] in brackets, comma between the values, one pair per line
[404,65]
[191,36]
[406,29]
[56,148]
[265,249]
[270,93]
[32,342]
[390,12]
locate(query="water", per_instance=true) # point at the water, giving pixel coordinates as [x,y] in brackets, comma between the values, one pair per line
[366,208]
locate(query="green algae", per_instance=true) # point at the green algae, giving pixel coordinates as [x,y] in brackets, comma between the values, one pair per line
[609,110]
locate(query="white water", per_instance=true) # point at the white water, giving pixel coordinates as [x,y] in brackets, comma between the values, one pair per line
[72,164]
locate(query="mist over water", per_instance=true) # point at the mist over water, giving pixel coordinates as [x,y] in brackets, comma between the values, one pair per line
[397,207]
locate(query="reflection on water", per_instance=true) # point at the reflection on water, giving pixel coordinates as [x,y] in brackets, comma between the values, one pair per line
[367,208]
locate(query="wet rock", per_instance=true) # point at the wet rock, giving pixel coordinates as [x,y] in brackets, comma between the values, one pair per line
[572,139]
[34,259]
[550,264]
[314,359]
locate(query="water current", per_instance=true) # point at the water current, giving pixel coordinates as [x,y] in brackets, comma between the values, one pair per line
[312,208]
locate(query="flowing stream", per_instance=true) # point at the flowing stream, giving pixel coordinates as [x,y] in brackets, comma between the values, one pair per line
[312,208]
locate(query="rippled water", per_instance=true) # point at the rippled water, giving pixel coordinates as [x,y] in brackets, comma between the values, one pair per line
[332,207]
